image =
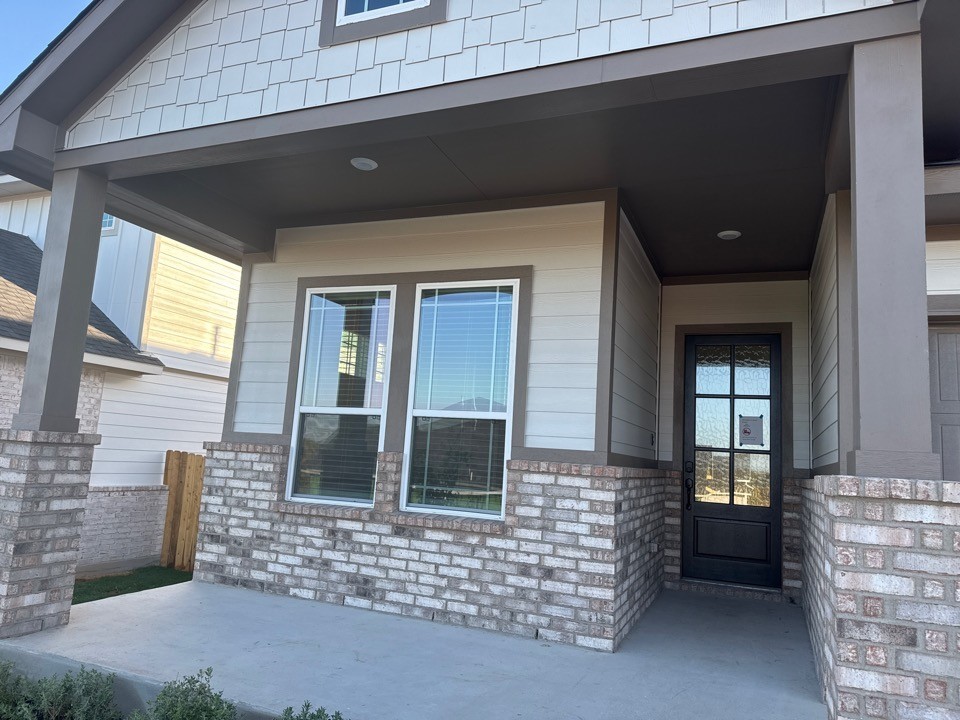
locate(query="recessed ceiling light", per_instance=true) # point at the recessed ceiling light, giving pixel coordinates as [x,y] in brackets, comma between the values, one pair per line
[364,164]
[729,234]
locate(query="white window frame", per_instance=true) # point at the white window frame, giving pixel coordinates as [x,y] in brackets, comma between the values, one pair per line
[465,415]
[300,410]
[344,19]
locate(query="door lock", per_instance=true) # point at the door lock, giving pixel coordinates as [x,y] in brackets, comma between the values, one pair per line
[689,485]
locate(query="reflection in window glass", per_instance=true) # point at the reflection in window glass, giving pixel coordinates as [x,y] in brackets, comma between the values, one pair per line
[458,464]
[346,350]
[463,349]
[357,7]
[751,479]
[713,370]
[337,457]
[344,369]
[460,398]
[713,477]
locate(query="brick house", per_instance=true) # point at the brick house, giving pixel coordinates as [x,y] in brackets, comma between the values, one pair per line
[545,306]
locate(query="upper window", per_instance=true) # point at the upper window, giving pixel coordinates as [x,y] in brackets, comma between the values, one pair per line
[358,10]
[347,20]
[459,419]
[344,364]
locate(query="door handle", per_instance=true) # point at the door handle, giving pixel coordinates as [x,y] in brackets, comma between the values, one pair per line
[689,485]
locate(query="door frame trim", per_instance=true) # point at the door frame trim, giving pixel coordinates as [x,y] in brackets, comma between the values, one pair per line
[785,331]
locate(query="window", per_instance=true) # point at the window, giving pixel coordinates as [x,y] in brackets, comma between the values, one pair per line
[341,395]
[459,419]
[108,225]
[357,10]
[348,20]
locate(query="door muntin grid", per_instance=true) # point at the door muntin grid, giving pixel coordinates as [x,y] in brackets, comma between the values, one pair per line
[732,380]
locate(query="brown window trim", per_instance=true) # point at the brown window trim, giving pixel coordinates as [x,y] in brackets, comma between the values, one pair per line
[333,34]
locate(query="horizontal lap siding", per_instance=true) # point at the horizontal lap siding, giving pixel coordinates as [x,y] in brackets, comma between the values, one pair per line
[191,308]
[738,303]
[562,244]
[824,319]
[943,266]
[636,337]
[143,417]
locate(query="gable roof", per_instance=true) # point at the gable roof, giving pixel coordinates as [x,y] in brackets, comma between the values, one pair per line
[19,276]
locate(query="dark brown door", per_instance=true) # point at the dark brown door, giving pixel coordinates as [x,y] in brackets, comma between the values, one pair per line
[731,460]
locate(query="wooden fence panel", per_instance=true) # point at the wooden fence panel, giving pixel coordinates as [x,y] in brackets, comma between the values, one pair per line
[183,474]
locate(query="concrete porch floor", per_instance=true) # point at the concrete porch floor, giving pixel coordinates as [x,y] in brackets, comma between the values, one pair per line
[691,656]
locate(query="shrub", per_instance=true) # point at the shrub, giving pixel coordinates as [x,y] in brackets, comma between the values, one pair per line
[88,695]
[306,713]
[190,698]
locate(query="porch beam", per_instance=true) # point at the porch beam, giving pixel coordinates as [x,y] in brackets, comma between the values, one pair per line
[892,434]
[51,383]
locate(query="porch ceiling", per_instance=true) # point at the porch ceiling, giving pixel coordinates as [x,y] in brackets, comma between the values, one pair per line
[750,160]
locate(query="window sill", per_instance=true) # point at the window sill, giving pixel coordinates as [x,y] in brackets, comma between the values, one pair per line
[429,521]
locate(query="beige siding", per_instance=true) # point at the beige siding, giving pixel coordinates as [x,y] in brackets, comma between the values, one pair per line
[191,308]
[738,303]
[824,319]
[143,417]
[636,348]
[563,245]
[943,263]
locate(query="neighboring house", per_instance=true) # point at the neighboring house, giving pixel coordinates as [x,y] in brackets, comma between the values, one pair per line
[546,305]
[164,390]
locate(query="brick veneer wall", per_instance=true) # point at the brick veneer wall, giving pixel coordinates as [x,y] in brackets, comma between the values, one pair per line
[43,488]
[882,595]
[12,368]
[122,527]
[576,559]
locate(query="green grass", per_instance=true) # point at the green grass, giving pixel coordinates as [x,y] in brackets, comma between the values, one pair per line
[112,585]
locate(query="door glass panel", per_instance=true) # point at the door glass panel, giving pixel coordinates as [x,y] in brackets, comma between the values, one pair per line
[713,422]
[713,477]
[751,479]
[752,408]
[713,370]
[752,374]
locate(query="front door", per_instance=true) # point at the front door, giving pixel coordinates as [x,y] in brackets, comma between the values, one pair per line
[731,459]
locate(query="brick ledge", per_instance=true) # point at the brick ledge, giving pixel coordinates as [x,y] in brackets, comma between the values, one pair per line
[427,521]
[885,488]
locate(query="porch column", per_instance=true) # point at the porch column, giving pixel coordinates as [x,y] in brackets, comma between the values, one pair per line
[44,464]
[51,385]
[891,433]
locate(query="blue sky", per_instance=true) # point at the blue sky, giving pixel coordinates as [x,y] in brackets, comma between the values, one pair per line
[27,27]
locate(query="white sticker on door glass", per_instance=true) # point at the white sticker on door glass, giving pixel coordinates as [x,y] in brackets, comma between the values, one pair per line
[751,430]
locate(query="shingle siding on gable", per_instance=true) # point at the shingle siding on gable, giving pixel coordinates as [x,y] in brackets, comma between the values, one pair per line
[236,59]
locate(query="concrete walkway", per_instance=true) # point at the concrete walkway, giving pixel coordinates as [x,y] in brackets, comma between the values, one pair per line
[691,657]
